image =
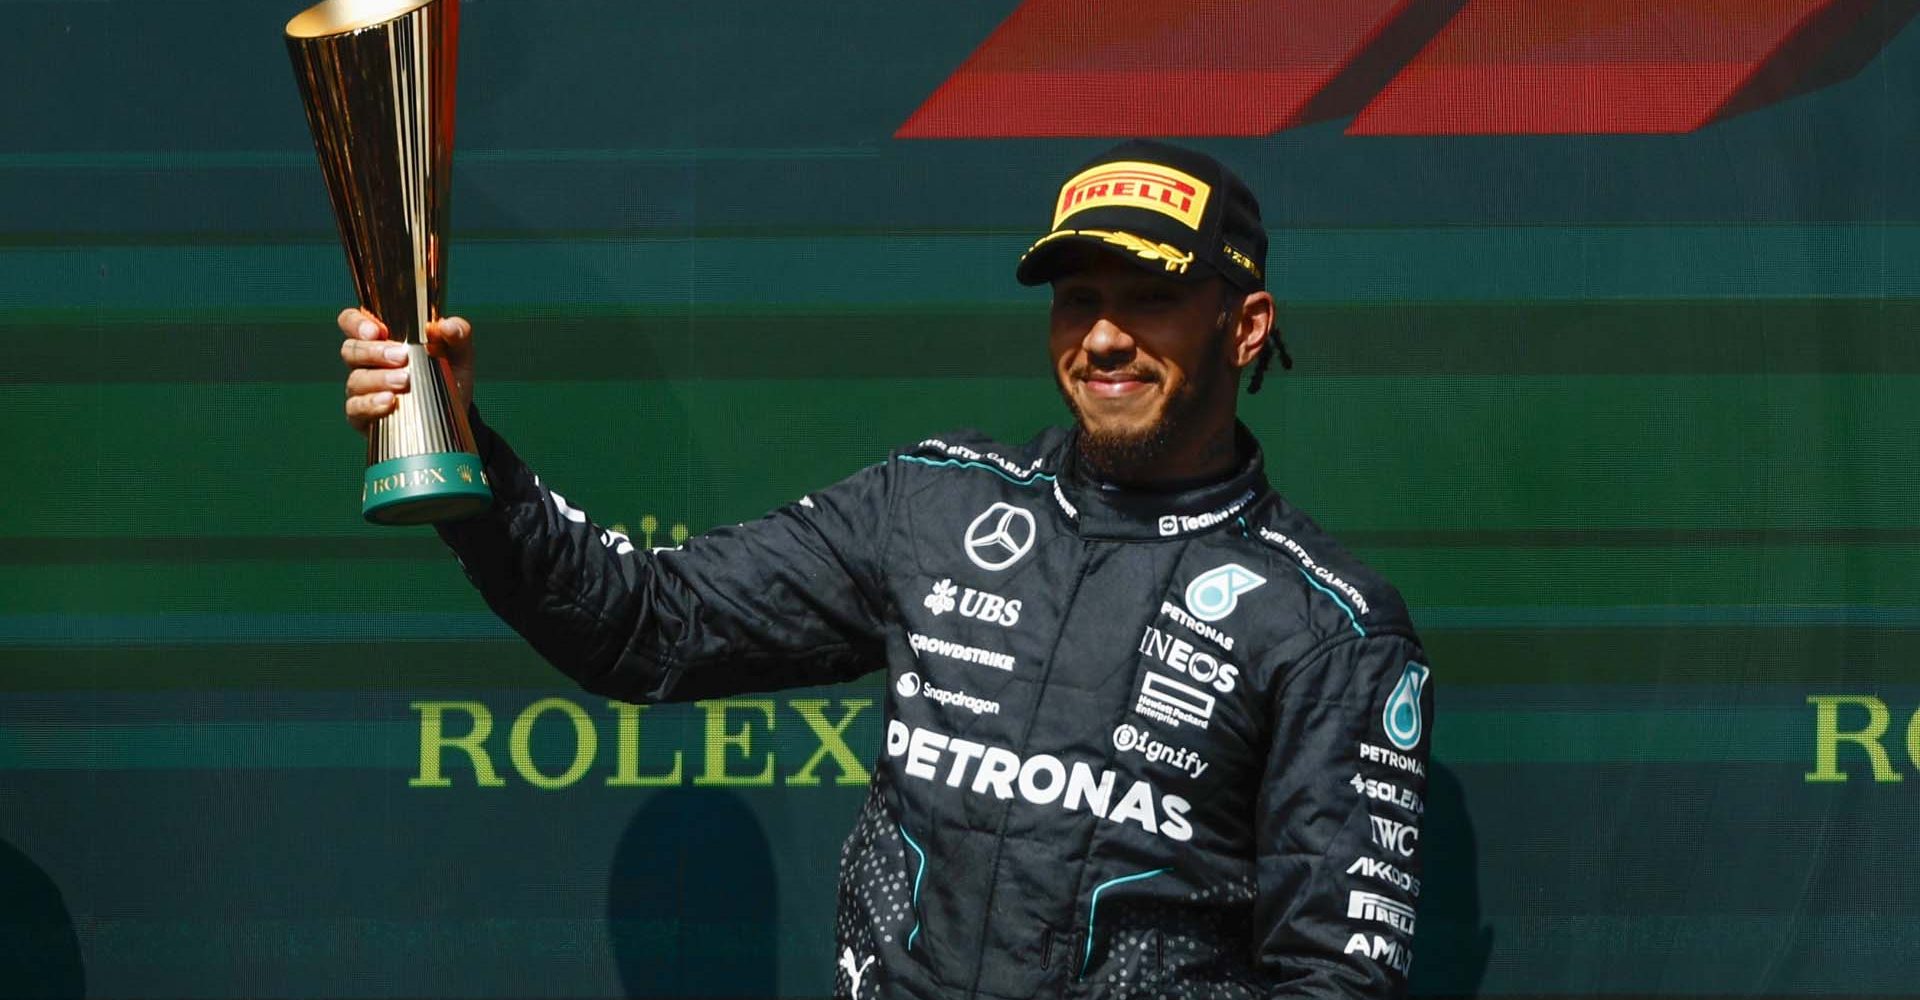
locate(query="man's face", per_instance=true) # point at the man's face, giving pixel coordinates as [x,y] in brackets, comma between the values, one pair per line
[1145,364]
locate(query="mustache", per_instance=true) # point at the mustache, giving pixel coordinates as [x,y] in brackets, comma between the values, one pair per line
[1084,371]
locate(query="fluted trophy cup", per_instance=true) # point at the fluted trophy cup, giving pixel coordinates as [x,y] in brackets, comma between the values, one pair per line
[377,80]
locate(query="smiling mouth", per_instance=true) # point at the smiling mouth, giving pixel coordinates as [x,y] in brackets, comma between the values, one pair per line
[1115,388]
[1113,385]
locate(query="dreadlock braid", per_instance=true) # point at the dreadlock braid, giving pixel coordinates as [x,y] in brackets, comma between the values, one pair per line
[1267,351]
[1229,309]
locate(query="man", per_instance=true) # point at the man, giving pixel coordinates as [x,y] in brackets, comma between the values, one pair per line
[1149,731]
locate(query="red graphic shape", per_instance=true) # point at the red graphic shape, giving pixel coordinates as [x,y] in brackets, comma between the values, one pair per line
[1173,68]
[1619,66]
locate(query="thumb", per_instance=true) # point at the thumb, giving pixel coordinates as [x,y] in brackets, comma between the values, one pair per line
[452,338]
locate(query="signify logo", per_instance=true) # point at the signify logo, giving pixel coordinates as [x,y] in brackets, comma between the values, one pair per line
[1133,739]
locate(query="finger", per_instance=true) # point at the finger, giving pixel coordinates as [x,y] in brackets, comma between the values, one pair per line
[364,410]
[453,328]
[367,381]
[373,354]
[361,325]
[452,335]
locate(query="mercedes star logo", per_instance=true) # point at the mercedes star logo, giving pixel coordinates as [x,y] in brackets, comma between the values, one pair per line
[999,536]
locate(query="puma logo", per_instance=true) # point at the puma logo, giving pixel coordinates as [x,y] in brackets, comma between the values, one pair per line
[853,974]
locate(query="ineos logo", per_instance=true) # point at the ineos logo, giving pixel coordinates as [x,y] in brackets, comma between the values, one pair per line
[999,536]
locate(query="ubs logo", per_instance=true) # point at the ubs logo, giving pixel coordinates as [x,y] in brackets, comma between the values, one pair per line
[979,604]
[999,537]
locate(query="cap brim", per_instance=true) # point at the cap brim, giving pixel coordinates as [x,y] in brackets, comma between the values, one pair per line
[1065,250]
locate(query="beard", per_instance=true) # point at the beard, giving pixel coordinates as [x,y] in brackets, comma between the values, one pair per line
[1124,454]
[1120,453]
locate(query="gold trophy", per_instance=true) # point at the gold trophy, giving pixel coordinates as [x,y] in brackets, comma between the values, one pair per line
[376,77]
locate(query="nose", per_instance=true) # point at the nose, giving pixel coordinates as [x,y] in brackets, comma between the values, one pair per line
[1105,339]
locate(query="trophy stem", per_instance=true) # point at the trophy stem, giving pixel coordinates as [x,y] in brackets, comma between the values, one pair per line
[425,420]
[421,462]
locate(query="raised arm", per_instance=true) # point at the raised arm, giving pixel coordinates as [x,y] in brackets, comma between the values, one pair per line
[790,599]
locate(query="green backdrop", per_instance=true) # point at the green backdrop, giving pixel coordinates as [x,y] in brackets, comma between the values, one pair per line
[1629,419]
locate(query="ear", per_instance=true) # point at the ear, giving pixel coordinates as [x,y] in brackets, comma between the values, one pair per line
[1255,326]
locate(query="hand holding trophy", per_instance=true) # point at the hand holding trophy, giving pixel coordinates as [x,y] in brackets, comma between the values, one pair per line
[377,79]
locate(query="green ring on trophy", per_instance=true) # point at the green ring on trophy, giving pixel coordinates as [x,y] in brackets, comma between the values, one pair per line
[376,78]
[422,488]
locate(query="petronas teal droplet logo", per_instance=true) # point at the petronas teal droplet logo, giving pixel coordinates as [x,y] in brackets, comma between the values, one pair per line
[1402,715]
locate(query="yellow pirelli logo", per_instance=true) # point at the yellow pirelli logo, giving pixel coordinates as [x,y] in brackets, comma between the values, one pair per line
[1135,185]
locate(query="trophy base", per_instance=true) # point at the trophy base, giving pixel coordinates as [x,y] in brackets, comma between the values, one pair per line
[421,489]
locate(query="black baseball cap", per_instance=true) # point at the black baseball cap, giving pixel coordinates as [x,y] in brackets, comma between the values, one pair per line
[1170,210]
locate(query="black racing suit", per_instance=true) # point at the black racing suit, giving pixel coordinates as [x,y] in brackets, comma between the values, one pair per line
[1137,745]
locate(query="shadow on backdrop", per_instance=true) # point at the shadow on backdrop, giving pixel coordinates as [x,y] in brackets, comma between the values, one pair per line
[692,908]
[39,949]
[1832,47]
[1392,49]
[1450,948]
